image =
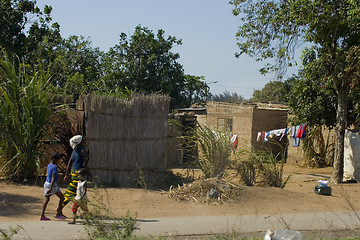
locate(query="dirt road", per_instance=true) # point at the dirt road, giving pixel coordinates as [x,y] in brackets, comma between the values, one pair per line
[21,203]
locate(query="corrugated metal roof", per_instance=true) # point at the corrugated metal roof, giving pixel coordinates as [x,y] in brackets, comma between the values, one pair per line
[269,108]
[192,109]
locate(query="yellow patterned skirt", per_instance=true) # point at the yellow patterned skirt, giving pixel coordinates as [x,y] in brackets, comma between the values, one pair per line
[71,189]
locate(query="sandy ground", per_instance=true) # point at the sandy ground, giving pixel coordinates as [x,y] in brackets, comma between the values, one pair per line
[23,202]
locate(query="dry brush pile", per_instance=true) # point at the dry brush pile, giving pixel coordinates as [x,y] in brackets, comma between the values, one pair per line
[253,167]
[210,191]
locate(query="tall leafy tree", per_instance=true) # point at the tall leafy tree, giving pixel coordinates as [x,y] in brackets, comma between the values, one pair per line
[144,62]
[227,97]
[312,99]
[23,25]
[195,90]
[272,28]
[75,66]
[78,66]
[276,91]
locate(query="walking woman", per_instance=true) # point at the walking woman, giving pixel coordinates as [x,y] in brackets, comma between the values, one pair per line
[78,160]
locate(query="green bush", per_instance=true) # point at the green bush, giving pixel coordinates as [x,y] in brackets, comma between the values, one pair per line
[247,171]
[215,150]
[318,152]
[260,167]
[24,115]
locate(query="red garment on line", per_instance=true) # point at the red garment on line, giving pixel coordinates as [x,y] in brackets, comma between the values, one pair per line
[301,132]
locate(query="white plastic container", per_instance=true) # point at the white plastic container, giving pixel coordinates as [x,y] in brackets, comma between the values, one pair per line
[283,235]
[323,183]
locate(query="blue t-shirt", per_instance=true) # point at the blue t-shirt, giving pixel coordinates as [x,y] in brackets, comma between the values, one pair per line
[77,157]
[51,168]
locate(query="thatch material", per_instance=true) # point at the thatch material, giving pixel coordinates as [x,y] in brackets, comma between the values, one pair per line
[126,138]
[210,191]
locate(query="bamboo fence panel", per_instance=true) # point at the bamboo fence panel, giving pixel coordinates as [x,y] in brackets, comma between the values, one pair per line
[126,138]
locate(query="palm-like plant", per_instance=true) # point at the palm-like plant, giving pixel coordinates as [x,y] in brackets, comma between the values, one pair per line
[24,113]
[215,150]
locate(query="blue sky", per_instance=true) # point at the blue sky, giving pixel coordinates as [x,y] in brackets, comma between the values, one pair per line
[207,29]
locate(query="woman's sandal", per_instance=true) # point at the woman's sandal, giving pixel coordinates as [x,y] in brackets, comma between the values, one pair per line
[44,219]
[61,217]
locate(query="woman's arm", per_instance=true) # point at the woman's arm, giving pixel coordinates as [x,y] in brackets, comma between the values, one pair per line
[86,162]
[68,167]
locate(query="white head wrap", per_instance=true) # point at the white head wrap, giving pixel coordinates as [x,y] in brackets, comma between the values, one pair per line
[75,140]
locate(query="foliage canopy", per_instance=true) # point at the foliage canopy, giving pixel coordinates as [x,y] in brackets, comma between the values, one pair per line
[273,28]
[144,62]
[47,63]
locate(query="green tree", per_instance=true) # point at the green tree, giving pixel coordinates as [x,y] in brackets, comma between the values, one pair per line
[195,90]
[272,28]
[23,25]
[276,91]
[312,99]
[77,66]
[144,62]
[25,32]
[24,114]
[227,97]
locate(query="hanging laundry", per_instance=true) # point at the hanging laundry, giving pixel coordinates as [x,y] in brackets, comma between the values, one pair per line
[284,133]
[271,134]
[258,137]
[295,139]
[234,141]
[301,132]
[266,138]
[278,132]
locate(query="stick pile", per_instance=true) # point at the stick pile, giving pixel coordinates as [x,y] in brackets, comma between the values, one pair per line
[210,191]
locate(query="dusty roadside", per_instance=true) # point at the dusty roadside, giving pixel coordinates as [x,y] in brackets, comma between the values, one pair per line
[20,202]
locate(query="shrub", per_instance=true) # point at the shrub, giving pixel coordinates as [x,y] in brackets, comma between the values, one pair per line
[24,114]
[318,152]
[244,167]
[269,167]
[215,150]
[260,167]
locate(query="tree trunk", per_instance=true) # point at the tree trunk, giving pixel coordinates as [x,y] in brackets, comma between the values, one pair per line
[338,171]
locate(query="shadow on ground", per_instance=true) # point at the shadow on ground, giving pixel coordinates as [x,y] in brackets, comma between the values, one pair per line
[12,205]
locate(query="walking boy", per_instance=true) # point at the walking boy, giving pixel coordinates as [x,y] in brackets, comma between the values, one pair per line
[51,187]
[80,199]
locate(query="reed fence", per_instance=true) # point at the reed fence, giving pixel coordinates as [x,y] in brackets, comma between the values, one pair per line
[126,138]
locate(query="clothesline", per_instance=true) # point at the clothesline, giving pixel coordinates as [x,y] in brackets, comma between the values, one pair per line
[297,132]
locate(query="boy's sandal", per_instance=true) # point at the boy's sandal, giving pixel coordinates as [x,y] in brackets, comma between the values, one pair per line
[44,219]
[71,222]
